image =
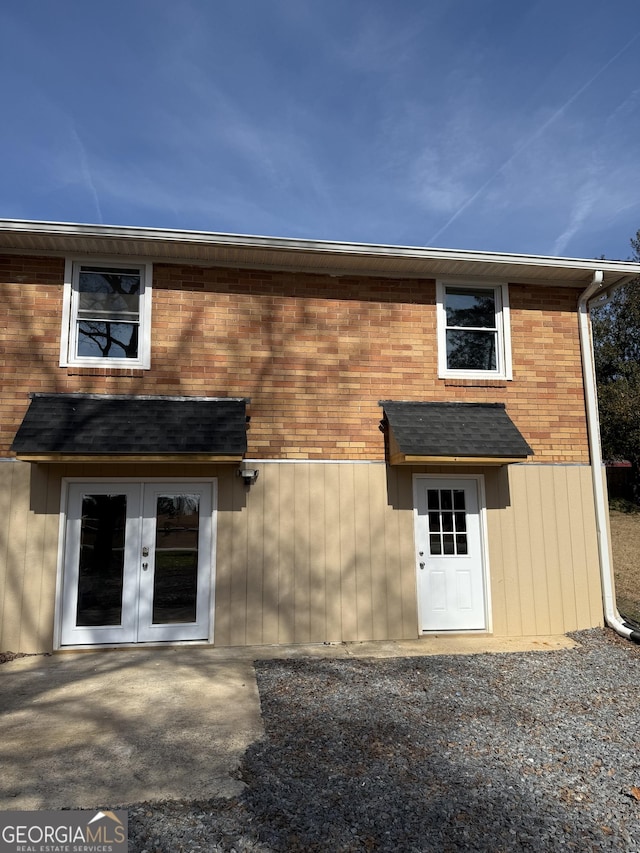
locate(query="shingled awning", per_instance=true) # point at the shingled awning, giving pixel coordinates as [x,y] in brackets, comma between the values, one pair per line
[91,427]
[471,433]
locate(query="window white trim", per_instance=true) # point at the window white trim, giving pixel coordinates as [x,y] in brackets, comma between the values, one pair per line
[503,324]
[68,356]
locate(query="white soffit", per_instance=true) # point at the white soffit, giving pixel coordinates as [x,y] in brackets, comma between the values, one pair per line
[312,256]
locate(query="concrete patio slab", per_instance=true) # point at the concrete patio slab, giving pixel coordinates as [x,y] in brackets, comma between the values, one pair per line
[118,727]
[433,644]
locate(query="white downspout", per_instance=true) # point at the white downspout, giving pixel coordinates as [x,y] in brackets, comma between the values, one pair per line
[611,615]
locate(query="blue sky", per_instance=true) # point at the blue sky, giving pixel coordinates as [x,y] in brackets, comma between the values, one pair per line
[477,124]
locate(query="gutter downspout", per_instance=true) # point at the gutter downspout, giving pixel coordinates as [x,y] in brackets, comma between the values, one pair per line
[611,615]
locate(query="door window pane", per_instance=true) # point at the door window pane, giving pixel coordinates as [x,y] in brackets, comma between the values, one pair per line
[101,570]
[433,501]
[175,583]
[461,543]
[447,522]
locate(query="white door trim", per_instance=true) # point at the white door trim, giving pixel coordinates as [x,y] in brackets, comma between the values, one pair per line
[149,632]
[125,630]
[484,544]
[65,484]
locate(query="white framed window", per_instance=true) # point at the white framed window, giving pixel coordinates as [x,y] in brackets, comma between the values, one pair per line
[106,314]
[474,339]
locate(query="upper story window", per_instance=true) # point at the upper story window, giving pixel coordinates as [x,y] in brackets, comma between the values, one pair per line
[473,331]
[107,313]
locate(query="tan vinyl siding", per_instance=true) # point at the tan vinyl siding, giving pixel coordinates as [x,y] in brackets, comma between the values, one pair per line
[28,541]
[324,552]
[337,556]
[328,562]
[555,551]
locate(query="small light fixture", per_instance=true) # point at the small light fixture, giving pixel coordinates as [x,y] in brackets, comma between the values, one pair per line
[249,475]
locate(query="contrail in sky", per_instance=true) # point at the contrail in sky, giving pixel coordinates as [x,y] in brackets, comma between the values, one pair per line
[531,139]
[86,172]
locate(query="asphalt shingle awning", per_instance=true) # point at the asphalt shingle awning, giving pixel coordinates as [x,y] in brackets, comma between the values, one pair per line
[471,433]
[91,427]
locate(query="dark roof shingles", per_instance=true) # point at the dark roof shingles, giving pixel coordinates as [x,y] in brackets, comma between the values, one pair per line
[455,429]
[92,425]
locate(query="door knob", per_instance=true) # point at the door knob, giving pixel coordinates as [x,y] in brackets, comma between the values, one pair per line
[422,565]
[145,566]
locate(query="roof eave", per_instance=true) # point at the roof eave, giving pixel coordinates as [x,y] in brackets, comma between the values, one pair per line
[170,245]
[417,459]
[132,458]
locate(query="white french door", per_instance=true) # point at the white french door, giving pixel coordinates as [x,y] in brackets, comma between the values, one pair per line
[450,557]
[137,562]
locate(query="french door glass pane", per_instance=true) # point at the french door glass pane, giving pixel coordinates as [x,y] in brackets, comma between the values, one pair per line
[175,584]
[102,533]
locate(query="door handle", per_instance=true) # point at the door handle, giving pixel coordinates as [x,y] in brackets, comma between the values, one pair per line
[421,565]
[145,566]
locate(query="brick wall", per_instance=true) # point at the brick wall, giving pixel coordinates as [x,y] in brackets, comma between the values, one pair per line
[315,354]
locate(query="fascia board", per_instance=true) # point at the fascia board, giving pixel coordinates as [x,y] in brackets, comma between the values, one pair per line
[537,263]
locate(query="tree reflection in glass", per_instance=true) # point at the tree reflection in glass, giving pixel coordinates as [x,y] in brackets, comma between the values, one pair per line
[108,313]
[101,569]
[175,583]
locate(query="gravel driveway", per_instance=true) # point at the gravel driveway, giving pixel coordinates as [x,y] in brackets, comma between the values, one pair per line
[527,751]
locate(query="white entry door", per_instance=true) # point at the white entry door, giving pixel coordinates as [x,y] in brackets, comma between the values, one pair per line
[450,566]
[137,562]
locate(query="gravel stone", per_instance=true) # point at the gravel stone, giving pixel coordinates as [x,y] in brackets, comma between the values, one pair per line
[535,751]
